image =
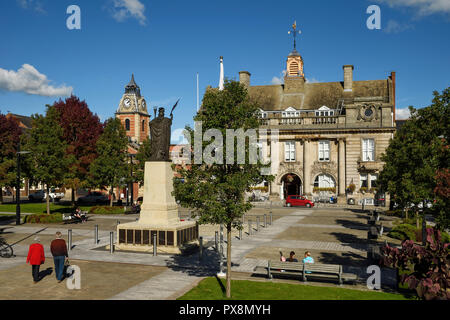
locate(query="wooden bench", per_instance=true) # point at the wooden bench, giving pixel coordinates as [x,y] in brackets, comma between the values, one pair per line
[69,218]
[306,270]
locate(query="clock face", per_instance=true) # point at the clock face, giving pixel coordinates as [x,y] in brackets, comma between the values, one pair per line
[143,105]
[127,102]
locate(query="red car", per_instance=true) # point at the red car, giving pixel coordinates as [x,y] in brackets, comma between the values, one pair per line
[298,201]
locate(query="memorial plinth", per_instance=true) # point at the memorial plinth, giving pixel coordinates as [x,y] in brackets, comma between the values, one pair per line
[159,215]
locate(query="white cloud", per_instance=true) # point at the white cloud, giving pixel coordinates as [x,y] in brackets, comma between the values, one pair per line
[35,5]
[312,80]
[279,80]
[29,80]
[402,114]
[124,9]
[396,27]
[424,7]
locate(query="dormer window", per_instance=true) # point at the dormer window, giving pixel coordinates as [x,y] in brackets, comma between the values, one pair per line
[324,111]
[290,113]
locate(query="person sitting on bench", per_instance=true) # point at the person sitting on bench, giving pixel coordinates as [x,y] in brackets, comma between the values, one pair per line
[308,259]
[292,257]
[79,215]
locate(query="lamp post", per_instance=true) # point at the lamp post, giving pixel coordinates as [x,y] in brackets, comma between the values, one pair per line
[18,183]
[131,155]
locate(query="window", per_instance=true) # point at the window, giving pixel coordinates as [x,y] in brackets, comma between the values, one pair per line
[324,150]
[289,151]
[324,181]
[373,180]
[127,124]
[324,111]
[368,150]
[143,125]
[363,180]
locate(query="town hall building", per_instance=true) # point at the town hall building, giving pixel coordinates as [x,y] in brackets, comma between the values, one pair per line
[331,134]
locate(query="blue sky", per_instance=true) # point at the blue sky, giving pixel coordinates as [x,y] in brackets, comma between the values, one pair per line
[165,44]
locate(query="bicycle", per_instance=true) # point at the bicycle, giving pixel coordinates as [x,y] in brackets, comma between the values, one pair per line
[6,251]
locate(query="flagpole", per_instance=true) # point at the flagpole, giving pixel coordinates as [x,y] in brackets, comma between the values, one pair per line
[198,102]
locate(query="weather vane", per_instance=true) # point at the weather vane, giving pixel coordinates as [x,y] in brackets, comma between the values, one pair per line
[294,32]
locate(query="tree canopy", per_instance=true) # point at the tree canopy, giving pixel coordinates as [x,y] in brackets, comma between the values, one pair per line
[417,156]
[215,190]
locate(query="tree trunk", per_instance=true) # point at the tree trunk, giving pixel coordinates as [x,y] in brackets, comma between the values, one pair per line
[229,260]
[417,220]
[73,197]
[48,199]
[111,196]
[1,195]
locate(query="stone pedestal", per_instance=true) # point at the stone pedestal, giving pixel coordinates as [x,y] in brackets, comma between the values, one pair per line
[159,215]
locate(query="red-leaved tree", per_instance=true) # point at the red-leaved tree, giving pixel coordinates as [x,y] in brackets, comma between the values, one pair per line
[427,269]
[81,129]
[9,138]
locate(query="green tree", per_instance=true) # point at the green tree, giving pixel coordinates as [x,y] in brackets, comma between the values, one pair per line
[47,161]
[417,154]
[215,191]
[142,156]
[111,164]
[9,138]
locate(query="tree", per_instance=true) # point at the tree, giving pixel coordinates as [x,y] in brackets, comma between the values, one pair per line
[425,269]
[81,130]
[142,156]
[111,164]
[9,139]
[214,190]
[416,155]
[47,160]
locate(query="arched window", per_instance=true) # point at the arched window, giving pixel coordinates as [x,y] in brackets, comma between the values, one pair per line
[324,181]
[127,124]
[143,125]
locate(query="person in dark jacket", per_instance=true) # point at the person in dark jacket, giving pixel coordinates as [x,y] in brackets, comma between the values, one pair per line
[58,248]
[36,257]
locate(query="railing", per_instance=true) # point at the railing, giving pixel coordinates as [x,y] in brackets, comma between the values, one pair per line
[299,120]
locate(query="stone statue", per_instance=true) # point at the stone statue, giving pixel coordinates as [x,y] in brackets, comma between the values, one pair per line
[160,136]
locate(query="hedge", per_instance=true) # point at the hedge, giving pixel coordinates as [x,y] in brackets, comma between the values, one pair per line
[106,210]
[44,218]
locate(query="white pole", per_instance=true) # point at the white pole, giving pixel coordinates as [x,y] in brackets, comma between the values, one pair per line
[221,81]
[198,101]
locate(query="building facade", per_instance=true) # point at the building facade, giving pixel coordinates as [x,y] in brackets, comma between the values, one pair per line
[330,135]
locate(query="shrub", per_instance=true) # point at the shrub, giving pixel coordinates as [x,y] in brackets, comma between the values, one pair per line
[394,213]
[106,210]
[403,232]
[426,267]
[44,218]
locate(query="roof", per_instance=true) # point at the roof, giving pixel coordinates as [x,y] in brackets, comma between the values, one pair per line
[314,95]
[24,121]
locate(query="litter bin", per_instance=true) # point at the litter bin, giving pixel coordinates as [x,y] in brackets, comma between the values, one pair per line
[351,201]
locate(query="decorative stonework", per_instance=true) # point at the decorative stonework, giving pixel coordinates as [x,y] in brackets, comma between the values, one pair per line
[290,167]
[368,112]
[328,167]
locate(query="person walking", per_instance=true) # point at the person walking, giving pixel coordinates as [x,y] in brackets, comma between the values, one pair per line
[58,248]
[36,257]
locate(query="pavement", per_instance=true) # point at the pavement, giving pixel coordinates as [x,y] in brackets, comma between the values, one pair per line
[166,277]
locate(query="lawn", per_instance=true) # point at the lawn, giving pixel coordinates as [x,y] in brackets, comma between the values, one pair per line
[211,289]
[40,207]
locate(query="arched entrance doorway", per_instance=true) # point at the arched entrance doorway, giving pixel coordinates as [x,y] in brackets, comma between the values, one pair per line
[291,185]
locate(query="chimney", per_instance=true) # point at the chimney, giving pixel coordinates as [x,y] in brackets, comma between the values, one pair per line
[348,77]
[244,78]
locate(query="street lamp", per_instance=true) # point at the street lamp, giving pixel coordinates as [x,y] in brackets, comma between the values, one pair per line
[131,155]
[18,183]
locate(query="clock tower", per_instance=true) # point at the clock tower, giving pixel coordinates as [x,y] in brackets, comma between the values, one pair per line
[132,112]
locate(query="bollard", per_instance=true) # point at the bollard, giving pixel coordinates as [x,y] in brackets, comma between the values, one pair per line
[265,220]
[257,223]
[250,227]
[200,240]
[216,240]
[271,218]
[155,247]
[111,242]
[240,233]
[70,239]
[96,234]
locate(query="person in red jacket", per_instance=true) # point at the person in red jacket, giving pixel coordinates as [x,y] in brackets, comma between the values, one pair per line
[36,257]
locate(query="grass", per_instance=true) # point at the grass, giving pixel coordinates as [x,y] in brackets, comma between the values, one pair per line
[212,289]
[41,207]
